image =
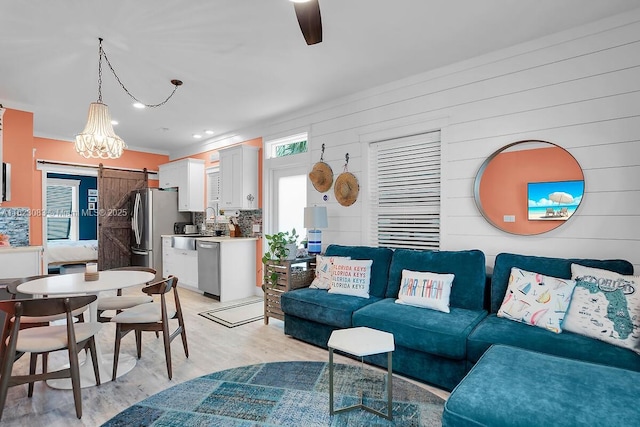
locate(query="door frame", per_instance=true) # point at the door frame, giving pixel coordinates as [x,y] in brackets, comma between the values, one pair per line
[45,169]
[297,164]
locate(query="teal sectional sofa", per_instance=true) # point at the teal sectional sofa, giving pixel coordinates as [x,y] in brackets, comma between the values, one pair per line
[471,350]
[510,386]
[431,346]
[499,330]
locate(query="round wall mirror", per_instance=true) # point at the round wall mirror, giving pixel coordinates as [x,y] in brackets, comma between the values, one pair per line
[529,187]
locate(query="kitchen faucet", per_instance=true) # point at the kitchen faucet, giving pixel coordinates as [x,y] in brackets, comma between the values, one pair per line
[215,218]
[215,213]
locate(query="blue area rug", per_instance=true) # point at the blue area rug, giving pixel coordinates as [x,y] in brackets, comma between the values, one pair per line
[283,394]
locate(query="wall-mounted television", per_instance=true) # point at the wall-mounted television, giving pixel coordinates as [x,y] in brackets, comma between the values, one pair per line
[554,200]
[6,182]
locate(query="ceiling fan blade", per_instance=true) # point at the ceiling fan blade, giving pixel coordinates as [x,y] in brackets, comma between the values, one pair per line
[310,22]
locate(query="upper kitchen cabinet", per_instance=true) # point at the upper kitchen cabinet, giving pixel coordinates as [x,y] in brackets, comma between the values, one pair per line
[187,175]
[239,177]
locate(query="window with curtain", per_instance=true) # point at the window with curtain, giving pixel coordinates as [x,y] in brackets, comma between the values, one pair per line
[405,192]
[61,210]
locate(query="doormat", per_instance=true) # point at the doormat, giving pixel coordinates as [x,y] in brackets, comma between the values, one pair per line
[237,314]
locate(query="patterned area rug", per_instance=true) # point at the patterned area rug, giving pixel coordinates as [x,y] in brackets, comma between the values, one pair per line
[237,314]
[283,394]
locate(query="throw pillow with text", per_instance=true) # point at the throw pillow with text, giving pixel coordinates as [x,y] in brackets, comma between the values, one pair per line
[424,289]
[351,277]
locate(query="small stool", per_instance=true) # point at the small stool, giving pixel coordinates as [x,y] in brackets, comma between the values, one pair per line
[362,342]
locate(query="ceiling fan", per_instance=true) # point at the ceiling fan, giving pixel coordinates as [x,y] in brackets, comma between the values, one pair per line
[308,13]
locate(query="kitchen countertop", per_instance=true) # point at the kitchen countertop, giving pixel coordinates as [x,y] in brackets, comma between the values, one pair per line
[225,239]
[212,238]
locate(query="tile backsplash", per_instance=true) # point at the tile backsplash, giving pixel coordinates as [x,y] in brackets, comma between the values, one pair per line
[14,222]
[246,220]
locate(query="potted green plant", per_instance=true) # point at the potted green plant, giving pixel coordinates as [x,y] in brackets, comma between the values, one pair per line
[281,246]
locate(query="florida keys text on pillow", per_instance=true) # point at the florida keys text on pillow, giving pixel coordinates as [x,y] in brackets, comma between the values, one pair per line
[351,277]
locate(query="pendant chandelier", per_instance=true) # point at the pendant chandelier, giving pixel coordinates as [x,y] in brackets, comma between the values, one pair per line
[98,140]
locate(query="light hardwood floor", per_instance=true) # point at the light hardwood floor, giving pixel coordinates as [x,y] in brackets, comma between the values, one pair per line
[212,347]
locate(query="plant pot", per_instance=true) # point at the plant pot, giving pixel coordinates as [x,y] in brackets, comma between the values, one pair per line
[292,248]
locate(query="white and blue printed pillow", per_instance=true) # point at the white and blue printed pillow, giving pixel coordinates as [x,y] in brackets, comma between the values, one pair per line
[536,299]
[425,289]
[322,280]
[605,306]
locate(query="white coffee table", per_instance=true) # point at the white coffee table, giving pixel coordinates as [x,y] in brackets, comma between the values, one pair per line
[362,342]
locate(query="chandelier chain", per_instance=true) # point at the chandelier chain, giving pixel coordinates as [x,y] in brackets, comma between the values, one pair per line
[176,83]
[100,72]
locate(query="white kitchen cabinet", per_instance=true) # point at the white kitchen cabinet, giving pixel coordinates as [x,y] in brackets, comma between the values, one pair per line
[239,177]
[18,262]
[180,263]
[187,175]
[168,175]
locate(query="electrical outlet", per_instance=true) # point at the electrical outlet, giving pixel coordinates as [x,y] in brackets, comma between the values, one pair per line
[509,218]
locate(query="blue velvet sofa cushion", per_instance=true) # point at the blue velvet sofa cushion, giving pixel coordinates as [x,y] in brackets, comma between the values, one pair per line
[515,387]
[430,331]
[320,306]
[499,330]
[468,267]
[554,267]
[379,269]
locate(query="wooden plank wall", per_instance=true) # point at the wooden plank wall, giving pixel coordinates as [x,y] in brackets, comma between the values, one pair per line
[579,89]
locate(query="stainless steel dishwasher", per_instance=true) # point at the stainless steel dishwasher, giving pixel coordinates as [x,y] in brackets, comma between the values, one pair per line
[209,268]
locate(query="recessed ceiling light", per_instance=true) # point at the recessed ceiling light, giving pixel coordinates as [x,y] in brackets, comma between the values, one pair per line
[208,132]
[197,136]
[114,122]
[138,105]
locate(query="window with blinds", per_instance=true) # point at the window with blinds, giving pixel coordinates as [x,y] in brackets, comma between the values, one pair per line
[405,192]
[213,188]
[62,209]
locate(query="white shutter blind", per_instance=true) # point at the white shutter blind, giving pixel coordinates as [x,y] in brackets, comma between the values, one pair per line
[59,209]
[405,192]
[213,189]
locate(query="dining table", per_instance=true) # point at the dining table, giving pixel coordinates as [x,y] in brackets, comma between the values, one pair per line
[75,284]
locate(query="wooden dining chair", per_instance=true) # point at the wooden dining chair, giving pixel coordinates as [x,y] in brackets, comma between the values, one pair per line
[152,317]
[37,321]
[12,290]
[120,302]
[44,339]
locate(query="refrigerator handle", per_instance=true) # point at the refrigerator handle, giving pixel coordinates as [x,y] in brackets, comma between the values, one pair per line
[135,224]
[133,213]
[137,252]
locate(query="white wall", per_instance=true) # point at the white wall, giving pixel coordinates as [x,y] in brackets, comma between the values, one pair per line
[579,89]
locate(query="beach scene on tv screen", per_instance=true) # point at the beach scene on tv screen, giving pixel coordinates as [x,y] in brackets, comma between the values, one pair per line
[556,200]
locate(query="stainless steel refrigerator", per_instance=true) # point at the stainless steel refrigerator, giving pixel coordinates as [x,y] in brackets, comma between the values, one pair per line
[153,213]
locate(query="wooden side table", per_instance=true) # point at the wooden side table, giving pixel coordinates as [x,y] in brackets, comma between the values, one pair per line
[292,274]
